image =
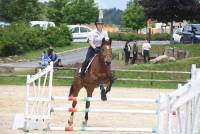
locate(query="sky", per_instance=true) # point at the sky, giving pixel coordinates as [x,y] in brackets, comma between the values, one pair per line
[106,4]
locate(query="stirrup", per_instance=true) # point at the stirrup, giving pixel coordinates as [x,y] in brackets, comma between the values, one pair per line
[82,75]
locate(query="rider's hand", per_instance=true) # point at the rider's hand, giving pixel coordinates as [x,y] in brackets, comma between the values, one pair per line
[97,50]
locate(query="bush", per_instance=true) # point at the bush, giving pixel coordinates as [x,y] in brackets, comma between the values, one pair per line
[124,36]
[20,38]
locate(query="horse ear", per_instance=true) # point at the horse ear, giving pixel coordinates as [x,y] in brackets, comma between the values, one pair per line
[103,40]
[110,41]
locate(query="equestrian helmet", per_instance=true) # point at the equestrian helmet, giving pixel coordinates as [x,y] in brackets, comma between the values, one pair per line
[99,21]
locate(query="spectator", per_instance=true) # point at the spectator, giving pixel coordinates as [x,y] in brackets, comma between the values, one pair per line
[58,63]
[135,52]
[50,50]
[53,56]
[44,59]
[127,49]
[146,51]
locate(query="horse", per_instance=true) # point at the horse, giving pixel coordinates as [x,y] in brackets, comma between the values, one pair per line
[99,74]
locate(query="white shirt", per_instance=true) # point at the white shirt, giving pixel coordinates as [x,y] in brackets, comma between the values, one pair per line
[146,46]
[97,37]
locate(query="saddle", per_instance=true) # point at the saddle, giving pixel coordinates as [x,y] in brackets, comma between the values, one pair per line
[89,64]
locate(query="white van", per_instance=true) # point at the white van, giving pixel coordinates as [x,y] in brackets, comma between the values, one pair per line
[42,24]
[80,33]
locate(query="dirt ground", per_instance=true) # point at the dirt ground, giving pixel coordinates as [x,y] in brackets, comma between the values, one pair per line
[12,102]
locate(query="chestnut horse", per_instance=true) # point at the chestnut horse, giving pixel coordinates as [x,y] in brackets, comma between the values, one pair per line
[98,74]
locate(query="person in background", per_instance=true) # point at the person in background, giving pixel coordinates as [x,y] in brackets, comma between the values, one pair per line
[58,63]
[146,51]
[53,56]
[44,59]
[127,50]
[135,52]
[50,50]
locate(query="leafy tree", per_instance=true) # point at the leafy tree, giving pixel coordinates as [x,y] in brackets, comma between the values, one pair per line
[133,16]
[171,10]
[19,10]
[72,11]
[112,16]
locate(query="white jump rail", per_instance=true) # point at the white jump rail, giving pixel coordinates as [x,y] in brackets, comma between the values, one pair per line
[104,129]
[71,98]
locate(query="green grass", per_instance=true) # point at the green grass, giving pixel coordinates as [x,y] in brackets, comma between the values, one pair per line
[178,65]
[33,55]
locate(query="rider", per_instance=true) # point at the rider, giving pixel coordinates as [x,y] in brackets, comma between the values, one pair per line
[95,40]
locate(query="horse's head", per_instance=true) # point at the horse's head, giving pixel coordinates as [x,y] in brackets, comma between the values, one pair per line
[106,51]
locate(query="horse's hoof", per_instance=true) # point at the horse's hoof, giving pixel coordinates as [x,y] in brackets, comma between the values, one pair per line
[84,123]
[70,123]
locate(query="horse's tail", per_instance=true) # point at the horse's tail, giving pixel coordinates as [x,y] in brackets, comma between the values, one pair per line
[71,90]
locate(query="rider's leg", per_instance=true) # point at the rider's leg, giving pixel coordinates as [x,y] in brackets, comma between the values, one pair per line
[89,55]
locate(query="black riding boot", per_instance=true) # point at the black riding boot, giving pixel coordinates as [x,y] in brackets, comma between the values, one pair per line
[83,68]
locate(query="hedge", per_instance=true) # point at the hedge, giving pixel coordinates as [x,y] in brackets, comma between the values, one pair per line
[20,38]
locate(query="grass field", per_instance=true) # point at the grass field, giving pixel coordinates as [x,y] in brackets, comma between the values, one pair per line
[178,65]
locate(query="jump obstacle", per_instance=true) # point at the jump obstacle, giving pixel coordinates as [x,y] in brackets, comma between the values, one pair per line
[177,113]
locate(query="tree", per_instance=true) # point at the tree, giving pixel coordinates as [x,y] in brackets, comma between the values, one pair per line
[133,16]
[19,10]
[112,16]
[73,11]
[171,10]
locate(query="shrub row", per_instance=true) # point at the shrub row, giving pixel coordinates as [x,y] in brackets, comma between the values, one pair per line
[20,38]
[124,36]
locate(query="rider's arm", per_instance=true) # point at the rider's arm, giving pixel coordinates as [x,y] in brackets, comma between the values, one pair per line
[92,44]
[91,40]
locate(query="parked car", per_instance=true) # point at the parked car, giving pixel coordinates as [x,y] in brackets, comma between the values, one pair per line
[177,35]
[191,33]
[4,24]
[80,33]
[42,24]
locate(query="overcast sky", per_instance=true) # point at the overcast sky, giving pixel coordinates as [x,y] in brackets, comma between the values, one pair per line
[106,4]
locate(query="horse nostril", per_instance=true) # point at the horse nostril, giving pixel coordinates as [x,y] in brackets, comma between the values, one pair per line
[108,63]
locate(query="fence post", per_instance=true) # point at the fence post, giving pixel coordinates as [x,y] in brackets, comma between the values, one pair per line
[151,78]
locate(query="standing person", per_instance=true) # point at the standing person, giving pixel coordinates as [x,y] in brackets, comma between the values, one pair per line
[146,51]
[135,52]
[95,40]
[127,51]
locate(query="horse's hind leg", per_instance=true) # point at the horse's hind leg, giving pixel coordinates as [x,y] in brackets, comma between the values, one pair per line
[74,92]
[87,105]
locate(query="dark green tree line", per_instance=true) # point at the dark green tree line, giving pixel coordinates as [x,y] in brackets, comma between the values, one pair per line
[19,10]
[171,10]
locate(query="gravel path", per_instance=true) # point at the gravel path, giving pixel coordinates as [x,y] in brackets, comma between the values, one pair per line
[12,102]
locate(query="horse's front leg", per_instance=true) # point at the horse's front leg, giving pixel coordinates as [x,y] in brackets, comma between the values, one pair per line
[103,91]
[112,80]
[87,105]
[70,121]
